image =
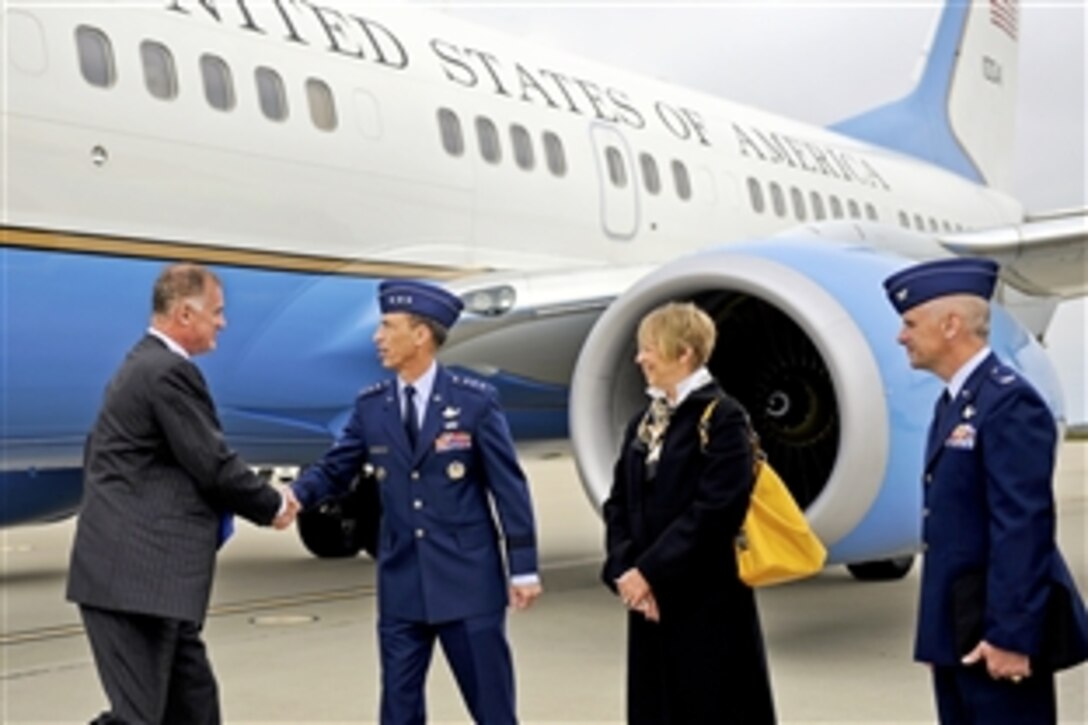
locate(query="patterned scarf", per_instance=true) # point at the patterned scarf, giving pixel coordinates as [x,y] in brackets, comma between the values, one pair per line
[652,427]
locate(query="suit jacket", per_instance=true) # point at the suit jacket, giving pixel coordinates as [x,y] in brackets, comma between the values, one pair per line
[157,476]
[992,567]
[439,555]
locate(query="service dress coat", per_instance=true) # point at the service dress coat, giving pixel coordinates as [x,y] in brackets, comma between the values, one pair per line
[988,524]
[157,479]
[704,662]
[440,555]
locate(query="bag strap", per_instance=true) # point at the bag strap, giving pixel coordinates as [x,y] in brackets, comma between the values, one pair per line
[758,454]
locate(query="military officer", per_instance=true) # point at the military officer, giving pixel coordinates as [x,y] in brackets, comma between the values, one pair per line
[993,579]
[441,451]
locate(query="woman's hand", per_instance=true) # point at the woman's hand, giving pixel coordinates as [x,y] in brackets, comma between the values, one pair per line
[636,594]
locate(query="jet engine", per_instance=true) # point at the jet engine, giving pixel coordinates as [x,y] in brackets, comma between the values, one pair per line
[806,342]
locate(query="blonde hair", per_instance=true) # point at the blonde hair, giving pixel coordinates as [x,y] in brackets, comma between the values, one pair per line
[678,326]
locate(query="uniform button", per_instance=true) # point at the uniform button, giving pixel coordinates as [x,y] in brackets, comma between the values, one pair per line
[929,478]
[925,546]
[420,533]
[415,475]
[417,504]
[925,512]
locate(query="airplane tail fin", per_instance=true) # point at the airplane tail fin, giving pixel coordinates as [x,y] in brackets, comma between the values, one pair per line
[962,112]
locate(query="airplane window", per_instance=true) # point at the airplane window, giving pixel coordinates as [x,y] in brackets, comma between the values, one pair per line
[681,179]
[870,211]
[450,126]
[270,93]
[617,170]
[817,206]
[523,147]
[651,179]
[95,56]
[755,194]
[553,151]
[932,224]
[798,200]
[836,207]
[945,225]
[904,220]
[159,73]
[488,137]
[852,206]
[778,201]
[218,84]
[918,223]
[322,104]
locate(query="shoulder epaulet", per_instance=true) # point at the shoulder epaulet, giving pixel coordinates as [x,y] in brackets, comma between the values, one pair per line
[1004,375]
[474,384]
[378,387]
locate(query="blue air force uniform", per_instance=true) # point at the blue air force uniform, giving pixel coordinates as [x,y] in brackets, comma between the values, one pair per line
[441,570]
[992,569]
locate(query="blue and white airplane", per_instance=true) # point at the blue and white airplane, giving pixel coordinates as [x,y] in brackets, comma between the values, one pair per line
[308,149]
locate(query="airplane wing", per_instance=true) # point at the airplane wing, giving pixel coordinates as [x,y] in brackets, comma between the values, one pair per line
[1044,256]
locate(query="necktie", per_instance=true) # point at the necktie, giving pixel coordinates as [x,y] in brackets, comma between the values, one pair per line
[938,413]
[411,420]
[226,529]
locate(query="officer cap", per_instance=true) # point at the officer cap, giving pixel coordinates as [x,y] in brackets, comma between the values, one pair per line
[419,298]
[923,282]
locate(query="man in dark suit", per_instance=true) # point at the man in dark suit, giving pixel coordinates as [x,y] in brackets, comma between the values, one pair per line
[441,452]
[997,604]
[159,487]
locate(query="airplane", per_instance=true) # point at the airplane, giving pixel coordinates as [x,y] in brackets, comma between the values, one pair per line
[307,150]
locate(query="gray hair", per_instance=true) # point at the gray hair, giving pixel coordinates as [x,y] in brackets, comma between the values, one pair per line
[180,281]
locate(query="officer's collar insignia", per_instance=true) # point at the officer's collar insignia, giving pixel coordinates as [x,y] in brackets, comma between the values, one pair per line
[968,412]
[451,412]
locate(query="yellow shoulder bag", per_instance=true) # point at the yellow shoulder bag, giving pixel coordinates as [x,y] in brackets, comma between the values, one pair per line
[775,543]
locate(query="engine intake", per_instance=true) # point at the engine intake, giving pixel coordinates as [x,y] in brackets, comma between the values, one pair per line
[788,348]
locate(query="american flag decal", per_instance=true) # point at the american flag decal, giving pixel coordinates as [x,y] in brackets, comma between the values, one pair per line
[1005,14]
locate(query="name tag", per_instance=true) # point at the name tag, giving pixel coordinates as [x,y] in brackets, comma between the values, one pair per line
[453,441]
[962,437]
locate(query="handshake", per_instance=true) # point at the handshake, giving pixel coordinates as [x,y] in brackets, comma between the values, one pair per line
[288,511]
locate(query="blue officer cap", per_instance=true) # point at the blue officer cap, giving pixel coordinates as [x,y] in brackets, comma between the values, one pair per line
[923,282]
[420,298]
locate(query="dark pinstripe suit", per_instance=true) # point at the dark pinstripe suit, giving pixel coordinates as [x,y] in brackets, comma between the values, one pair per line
[157,476]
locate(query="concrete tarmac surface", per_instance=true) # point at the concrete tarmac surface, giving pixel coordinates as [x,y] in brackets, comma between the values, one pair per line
[292,638]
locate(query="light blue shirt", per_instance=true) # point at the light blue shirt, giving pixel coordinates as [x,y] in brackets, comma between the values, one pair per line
[423,385]
[955,383]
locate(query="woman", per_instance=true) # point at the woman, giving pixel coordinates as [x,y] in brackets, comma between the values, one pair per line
[694,648]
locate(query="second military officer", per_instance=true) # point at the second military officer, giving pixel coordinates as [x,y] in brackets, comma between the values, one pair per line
[442,453]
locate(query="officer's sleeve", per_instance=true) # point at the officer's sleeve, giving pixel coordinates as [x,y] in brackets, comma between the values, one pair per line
[333,474]
[509,489]
[1018,445]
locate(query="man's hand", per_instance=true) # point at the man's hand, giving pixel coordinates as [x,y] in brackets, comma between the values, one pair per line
[1000,663]
[522,596]
[290,509]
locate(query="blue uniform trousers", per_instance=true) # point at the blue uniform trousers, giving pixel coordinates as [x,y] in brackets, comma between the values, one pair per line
[969,696]
[478,655]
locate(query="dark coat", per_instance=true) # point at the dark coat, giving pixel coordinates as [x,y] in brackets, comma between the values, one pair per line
[157,476]
[704,661]
[440,554]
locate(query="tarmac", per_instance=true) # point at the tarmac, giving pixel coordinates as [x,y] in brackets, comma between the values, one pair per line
[293,640]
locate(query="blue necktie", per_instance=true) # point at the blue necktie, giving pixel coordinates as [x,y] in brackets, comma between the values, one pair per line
[938,414]
[226,529]
[411,420]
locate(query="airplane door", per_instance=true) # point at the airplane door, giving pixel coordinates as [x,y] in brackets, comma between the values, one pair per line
[618,185]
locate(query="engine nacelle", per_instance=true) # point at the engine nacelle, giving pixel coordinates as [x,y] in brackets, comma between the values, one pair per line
[806,341]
